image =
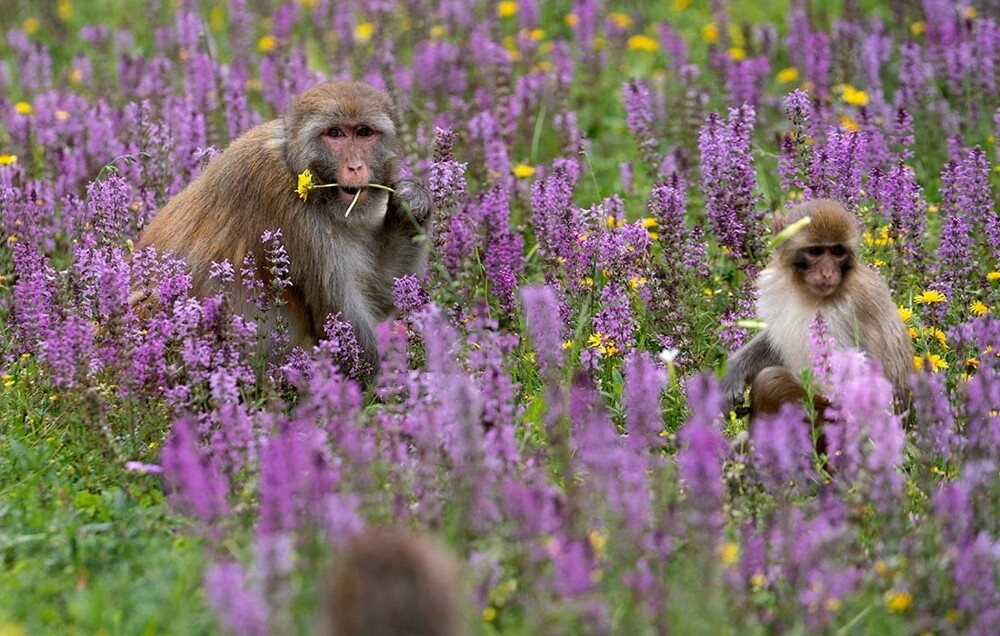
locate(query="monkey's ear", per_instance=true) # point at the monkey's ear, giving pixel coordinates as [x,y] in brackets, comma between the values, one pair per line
[779,222]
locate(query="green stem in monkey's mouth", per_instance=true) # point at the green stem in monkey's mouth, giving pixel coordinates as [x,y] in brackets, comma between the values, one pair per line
[306,185]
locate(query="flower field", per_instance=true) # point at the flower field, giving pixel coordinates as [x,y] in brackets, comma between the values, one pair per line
[547,407]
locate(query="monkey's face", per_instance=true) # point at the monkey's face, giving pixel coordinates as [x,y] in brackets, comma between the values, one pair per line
[822,267]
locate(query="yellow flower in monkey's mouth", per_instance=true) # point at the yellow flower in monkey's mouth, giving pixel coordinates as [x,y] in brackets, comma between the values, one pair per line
[305,184]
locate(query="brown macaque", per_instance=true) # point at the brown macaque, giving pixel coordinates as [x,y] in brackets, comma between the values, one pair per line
[774,387]
[817,271]
[345,244]
[388,583]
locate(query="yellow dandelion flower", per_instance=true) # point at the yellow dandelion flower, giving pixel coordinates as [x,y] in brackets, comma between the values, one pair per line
[567,344]
[854,97]
[848,122]
[708,291]
[305,184]
[918,28]
[710,33]
[620,20]
[899,601]
[529,356]
[7,160]
[506,9]
[637,281]
[979,308]
[364,31]
[586,281]
[594,341]
[643,43]
[23,108]
[737,53]
[65,10]
[76,76]
[758,581]
[612,222]
[972,363]
[913,332]
[680,5]
[993,276]
[649,222]
[8,380]
[524,171]
[832,604]
[267,44]
[571,20]
[438,31]
[31,26]
[788,75]
[970,12]
[930,297]
[598,541]
[217,19]
[729,553]
[905,313]
[489,614]
[937,334]
[936,362]
[536,35]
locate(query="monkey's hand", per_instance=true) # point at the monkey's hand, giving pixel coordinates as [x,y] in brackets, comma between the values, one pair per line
[411,201]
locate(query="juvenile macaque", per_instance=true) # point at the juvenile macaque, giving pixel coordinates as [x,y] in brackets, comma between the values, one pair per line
[345,244]
[817,270]
[391,583]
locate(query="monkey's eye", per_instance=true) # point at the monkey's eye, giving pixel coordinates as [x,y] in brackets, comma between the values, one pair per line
[815,250]
[335,132]
[365,131]
[838,250]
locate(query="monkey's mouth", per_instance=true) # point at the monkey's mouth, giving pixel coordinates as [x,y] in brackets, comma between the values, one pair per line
[350,191]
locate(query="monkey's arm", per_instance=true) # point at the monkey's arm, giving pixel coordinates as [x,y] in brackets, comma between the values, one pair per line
[744,366]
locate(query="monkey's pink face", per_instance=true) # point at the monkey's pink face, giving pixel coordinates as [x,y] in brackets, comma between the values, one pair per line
[353,148]
[822,267]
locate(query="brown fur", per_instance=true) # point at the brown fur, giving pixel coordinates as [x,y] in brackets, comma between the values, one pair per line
[860,311]
[390,583]
[337,264]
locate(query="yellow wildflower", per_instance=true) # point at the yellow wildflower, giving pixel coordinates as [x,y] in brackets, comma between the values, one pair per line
[729,553]
[536,34]
[737,53]
[970,12]
[637,281]
[788,75]
[267,43]
[23,108]
[993,276]
[620,20]
[930,296]
[612,222]
[8,380]
[305,184]
[979,308]
[489,614]
[76,76]
[217,19]
[899,601]
[438,31]
[758,581]
[363,31]
[7,160]
[598,541]
[64,10]
[937,334]
[854,97]
[568,344]
[936,362]
[905,313]
[643,43]
[649,222]
[31,26]
[918,28]
[848,122]
[832,604]
[506,9]
[680,5]
[710,33]
[571,20]
[524,171]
